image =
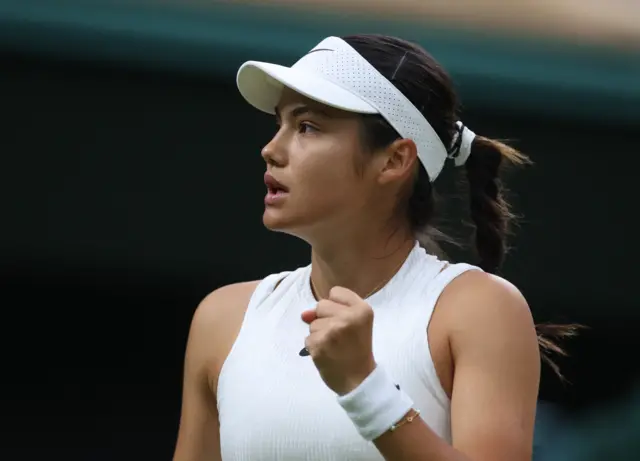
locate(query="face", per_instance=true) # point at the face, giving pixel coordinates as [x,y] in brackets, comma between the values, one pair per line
[313,157]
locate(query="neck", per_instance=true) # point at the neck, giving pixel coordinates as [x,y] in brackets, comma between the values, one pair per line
[363,262]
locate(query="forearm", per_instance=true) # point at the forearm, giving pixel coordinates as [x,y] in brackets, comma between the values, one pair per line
[416,441]
[386,415]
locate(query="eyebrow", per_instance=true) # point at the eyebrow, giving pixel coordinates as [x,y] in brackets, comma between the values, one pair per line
[301,110]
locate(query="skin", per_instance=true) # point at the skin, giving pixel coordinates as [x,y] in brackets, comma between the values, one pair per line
[481,335]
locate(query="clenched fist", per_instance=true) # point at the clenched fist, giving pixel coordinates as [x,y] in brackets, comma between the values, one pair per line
[339,341]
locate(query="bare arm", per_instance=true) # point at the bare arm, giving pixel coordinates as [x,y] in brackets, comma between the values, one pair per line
[496,377]
[213,330]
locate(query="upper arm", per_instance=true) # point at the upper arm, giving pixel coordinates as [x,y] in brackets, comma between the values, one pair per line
[209,336]
[496,369]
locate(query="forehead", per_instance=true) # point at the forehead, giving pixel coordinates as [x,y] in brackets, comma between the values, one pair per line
[291,100]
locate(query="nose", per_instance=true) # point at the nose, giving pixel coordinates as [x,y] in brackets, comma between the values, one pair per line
[274,153]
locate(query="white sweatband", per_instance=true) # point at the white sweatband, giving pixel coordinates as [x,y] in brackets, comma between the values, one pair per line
[376,404]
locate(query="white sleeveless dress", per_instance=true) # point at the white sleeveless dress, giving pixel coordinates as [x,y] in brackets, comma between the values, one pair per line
[272,403]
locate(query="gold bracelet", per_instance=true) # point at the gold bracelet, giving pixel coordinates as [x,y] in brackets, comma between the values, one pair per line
[408,418]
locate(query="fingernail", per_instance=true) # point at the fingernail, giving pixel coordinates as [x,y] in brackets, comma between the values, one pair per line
[304,352]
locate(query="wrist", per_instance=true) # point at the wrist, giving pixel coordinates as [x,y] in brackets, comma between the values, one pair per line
[357,378]
[376,405]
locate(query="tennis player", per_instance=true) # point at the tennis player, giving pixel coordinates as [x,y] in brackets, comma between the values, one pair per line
[379,349]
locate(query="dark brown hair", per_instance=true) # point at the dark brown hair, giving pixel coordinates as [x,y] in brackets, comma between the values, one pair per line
[428,86]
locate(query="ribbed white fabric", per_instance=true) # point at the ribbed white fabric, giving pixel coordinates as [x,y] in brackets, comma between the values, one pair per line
[273,404]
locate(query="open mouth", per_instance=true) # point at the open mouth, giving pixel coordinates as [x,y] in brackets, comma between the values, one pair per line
[276,190]
[274,187]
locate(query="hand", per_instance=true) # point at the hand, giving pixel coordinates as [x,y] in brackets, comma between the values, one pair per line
[340,337]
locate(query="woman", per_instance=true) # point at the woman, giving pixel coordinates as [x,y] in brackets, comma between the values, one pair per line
[411,357]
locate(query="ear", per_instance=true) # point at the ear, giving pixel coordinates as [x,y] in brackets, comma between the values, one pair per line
[399,161]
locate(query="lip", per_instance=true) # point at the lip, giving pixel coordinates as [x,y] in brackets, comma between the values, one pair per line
[276,191]
[273,184]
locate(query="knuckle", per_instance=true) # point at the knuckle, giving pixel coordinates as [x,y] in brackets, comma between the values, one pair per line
[342,324]
[364,310]
[329,334]
[362,316]
[322,306]
[367,312]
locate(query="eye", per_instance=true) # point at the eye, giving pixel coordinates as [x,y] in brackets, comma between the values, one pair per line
[305,128]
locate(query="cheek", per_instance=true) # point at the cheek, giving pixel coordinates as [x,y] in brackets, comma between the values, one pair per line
[331,193]
[330,173]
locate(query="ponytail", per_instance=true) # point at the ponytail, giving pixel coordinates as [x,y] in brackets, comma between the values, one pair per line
[490,211]
[492,218]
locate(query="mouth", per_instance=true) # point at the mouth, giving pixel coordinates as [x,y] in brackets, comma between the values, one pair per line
[275,190]
[273,186]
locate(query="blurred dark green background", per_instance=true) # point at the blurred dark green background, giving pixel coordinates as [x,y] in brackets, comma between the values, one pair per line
[130,182]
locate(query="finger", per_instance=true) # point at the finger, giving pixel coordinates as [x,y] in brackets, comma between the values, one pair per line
[344,296]
[309,316]
[310,345]
[326,308]
[320,325]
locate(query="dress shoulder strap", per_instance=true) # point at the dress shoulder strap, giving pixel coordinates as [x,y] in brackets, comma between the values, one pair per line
[265,288]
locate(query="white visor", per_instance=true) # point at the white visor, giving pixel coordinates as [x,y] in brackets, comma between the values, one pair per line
[335,74]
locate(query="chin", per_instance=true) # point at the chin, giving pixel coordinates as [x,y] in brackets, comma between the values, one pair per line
[277,221]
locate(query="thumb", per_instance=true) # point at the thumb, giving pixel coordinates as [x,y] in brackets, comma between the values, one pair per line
[308,316]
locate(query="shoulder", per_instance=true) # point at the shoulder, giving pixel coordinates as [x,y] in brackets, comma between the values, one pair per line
[477,306]
[482,287]
[224,301]
[216,323]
